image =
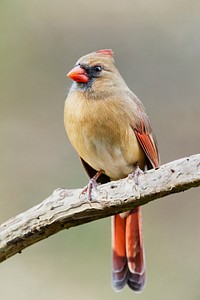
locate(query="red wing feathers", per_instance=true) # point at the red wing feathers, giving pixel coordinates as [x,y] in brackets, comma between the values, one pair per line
[149,147]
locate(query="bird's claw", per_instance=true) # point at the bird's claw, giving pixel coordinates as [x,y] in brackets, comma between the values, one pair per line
[92,184]
[88,189]
[135,175]
[135,178]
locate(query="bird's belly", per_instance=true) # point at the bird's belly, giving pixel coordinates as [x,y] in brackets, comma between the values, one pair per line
[117,160]
[105,140]
[114,165]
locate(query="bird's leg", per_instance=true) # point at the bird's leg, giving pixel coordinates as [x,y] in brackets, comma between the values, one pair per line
[92,184]
[135,175]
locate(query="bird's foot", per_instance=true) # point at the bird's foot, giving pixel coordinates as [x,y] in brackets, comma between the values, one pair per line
[88,188]
[91,185]
[135,175]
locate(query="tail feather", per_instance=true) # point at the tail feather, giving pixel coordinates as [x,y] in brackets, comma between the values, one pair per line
[120,268]
[128,251]
[136,281]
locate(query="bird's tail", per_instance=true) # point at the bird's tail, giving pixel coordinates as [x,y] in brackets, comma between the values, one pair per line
[128,252]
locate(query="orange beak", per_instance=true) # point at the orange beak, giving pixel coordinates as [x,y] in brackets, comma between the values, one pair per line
[78,74]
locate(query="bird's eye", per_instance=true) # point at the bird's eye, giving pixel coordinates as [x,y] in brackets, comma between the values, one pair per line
[97,69]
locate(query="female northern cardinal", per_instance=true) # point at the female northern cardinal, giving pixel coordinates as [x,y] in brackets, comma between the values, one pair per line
[108,127]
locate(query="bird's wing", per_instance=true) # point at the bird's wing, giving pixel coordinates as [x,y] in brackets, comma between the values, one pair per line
[148,144]
[147,140]
[142,128]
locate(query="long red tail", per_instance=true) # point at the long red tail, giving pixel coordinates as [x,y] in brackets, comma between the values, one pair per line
[128,252]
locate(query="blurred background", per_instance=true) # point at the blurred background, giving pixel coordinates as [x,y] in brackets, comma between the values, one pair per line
[157,50]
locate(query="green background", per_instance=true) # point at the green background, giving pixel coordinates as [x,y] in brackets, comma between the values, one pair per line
[157,49]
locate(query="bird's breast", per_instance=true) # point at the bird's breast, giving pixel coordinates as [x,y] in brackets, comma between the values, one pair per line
[100,132]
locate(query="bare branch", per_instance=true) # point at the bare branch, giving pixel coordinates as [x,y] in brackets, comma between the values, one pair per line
[65,208]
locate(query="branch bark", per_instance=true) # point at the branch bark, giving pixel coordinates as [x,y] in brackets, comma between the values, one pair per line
[66,208]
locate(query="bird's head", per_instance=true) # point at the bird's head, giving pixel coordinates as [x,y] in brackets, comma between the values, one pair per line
[95,72]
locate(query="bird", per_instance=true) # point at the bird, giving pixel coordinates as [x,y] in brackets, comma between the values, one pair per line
[108,127]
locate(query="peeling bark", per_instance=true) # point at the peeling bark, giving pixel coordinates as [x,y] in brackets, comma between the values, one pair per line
[66,208]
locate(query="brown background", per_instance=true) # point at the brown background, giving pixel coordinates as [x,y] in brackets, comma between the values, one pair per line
[157,49]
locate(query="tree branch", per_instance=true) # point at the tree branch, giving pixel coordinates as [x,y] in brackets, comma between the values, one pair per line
[66,208]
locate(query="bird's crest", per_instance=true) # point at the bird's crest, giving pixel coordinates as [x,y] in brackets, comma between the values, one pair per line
[107,52]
